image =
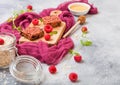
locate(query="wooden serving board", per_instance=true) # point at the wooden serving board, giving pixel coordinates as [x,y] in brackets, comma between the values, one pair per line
[54,38]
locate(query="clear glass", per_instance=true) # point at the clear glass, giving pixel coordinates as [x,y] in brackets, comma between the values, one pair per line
[27,70]
[8,50]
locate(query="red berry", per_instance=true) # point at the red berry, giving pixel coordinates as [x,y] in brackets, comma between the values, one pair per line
[29,7]
[52,69]
[1,41]
[73,77]
[47,37]
[84,29]
[48,28]
[78,58]
[35,21]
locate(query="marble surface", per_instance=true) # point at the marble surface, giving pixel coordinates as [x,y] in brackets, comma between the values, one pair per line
[101,61]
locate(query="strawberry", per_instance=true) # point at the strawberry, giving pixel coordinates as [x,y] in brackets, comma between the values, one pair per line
[29,7]
[73,77]
[47,37]
[35,21]
[1,41]
[84,29]
[78,58]
[48,28]
[52,69]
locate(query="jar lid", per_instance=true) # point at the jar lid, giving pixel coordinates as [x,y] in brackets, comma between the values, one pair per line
[26,69]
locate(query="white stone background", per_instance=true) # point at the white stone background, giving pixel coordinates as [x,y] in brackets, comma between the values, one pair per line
[101,64]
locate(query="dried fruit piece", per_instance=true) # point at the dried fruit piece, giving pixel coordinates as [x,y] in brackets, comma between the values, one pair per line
[73,77]
[52,69]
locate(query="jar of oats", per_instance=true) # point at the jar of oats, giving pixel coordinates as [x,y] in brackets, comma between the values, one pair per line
[7,49]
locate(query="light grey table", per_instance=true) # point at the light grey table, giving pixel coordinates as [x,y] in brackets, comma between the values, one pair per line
[101,64]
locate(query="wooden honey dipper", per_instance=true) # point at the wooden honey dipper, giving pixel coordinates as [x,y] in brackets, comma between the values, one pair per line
[81,20]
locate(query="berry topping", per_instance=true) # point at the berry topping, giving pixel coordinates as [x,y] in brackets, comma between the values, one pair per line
[78,58]
[29,7]
[84,29]
[1,41]
[48,28]
[73,77]
[47,37]
[35,21]
[52,69]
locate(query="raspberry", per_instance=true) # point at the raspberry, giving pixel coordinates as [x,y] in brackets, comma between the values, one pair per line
[73,77]
[52,69]
[29,7]
[47,37]
[48,28]
[1,41]
[35,21]
[84,29]
[78,58]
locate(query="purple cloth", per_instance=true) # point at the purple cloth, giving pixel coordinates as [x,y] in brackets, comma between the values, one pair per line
[68,18]
[25,19]
[46,12]
[41,51]
[44,52]
[7,27]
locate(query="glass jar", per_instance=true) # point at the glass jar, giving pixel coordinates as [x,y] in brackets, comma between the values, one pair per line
[27,70]
[7,49]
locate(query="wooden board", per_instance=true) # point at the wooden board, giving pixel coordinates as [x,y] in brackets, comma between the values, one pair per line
[54,38]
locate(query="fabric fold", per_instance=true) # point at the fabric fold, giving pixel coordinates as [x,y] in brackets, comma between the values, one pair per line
[45,53]
[41,50]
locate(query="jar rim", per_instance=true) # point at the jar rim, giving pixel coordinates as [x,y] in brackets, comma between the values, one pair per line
[10,45]
[15,72]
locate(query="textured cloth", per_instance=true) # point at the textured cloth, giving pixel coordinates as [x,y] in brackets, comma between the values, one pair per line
[44,52]
[40,50]
[25,19]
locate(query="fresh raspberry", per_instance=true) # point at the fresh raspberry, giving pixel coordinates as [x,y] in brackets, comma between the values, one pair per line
[47,37]
[52,69]
[35,21]
[1,41]
[48,28]
[29,7]
[73,77]
[78,58]
[84,29]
